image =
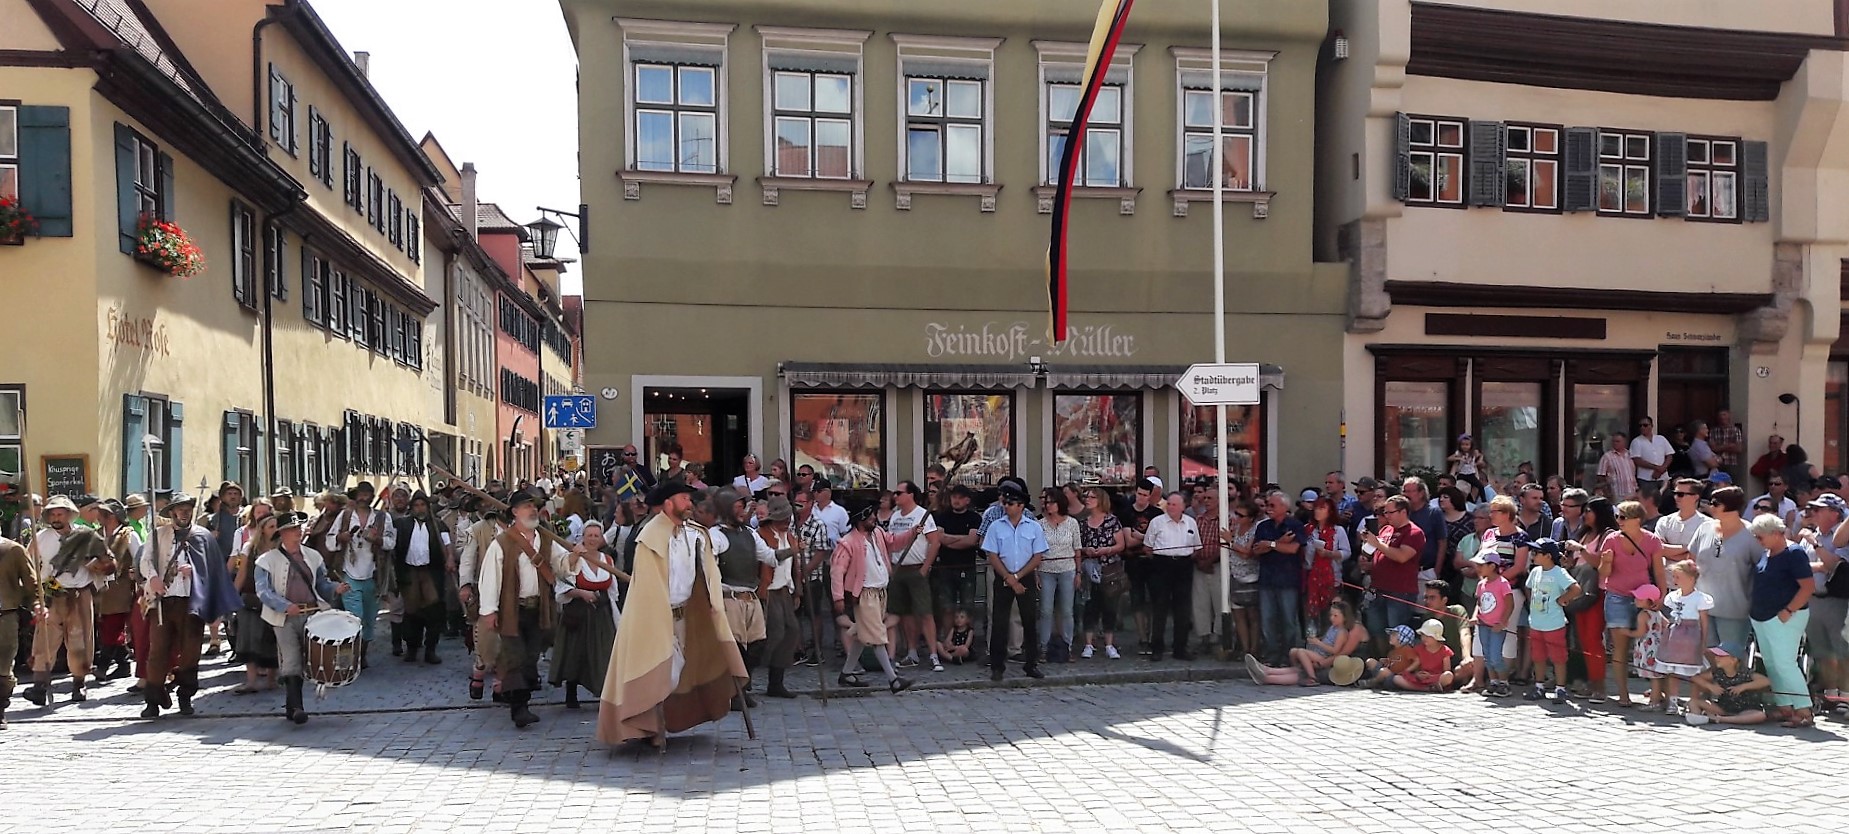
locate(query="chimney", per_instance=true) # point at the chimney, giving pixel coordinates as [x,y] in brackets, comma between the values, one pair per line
[363,60]
[470,218]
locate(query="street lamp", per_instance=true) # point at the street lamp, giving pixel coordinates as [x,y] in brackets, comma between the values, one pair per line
[545,231]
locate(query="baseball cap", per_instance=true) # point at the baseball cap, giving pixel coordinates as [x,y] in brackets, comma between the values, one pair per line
[1309,496]
[1720,476]
[1367,482]
[1829,501]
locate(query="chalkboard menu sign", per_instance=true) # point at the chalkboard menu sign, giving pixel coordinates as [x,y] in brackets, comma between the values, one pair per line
[604,461]
[66,475]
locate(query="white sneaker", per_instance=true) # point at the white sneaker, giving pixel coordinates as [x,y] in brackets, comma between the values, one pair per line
[1087,653]
[936,665]
[1111,652]
[1696,719]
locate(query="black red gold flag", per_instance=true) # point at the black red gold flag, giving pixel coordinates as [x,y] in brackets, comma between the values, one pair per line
[1103,47]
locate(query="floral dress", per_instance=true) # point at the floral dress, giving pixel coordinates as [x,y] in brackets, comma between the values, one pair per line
[1319,581]
[1643,653]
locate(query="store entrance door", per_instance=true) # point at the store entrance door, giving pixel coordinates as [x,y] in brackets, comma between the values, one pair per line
[1691,385]
[711,425]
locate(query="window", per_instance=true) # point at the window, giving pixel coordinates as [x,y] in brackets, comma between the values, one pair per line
[394,219]
[314,288]
[971,435]
[414,342]
[945,128]
[413,235]
[240,456]
[9,153]
[337,302]
[243,255]
[12,434]
[1532,167]
[1624,173]
[1097,438]
[375,200]
[151,428]
[379,338]
[1245,441]
[1437,155]
[1101,160]
[519,391]
[279,271]
[353,185]
[320,148]
[308,476]
[1713,178]
[813,123]
[288,452]
[677,117]
[359,314]
[841,436]
[1416,428]
[1241,103]
[147,185]
[282,111]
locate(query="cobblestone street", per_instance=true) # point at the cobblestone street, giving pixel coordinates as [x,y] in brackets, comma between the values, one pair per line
[1174,755]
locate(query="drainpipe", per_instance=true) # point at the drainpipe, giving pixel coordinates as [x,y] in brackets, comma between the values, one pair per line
[270,267]
[258,76]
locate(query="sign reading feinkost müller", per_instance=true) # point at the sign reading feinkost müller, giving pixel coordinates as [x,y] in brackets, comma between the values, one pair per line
[1227,384]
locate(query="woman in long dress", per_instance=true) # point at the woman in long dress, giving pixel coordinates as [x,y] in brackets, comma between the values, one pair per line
[587,617]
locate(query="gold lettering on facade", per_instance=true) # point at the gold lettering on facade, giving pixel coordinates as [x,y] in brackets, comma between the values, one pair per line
[143,334]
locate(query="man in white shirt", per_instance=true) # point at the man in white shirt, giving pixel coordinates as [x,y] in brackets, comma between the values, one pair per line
[484,643]
[1778,495]
[909,595]
[1650,452]
[421,558]
[832,515]
[782,631]
[1679,528]
[517,574]
[355,548]
[66,553]
[185,571]
[1173,541]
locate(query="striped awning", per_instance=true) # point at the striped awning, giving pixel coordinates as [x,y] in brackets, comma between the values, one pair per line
[1131,377]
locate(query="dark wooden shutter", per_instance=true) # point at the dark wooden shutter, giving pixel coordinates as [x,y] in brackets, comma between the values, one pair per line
[1755,182]
[311,303]
[1402,157]
[240,269]
[1488,147]
[280,263]
[1671,174]
[346,171]
[232,468]
[1580,157]
[176,445]
[167,190]
[128,209]
[289,125]
[314,142]
[134,455]
[45,167]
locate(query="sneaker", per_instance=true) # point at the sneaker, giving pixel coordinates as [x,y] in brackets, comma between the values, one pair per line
[1087,653]
[1255,669]
[936,665]
[1533,694]
[1111,652]
[1596,698]
[1017,657]
[909,662]
[1696,719]
[1560,694]
[1670,708]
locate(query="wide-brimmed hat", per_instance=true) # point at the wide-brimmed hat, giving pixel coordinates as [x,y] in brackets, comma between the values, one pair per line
[666,490]
[1433,629]
[1345,670]
[778,510]
[519,498]
[288,521]
[226,485]
[60,502]
[179,499]
[362,486]
[113,507]
[134,501]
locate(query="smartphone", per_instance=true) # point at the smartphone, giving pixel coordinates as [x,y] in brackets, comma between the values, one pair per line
[1373,525]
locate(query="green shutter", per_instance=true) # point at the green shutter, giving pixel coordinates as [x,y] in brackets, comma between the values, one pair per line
[311,306]
[1402,156]
[176,457]
[127,207]
[1579,161]
[1755,182]
[1488,147]
[1671,174]
[134,456]
[259,460]
[167,190]
[45,167]
[231,468]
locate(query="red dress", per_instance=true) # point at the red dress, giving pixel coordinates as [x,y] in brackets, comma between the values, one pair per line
[1319,580]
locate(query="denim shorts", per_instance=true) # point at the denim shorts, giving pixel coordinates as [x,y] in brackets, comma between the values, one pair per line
[1620,611]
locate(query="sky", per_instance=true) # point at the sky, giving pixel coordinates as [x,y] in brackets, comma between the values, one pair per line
[495,80]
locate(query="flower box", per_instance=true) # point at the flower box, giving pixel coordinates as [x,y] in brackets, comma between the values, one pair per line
[15,222]
[165,246]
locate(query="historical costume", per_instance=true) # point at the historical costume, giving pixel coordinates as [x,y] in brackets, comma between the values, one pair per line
[117,592]
[783,633]
[858,575]
[189,587]
[254,640]
[586,591]
[70,558]
[19,598]
[355,548]
[676,665]
[421,557]
[483,642]
[292,582]
[518,572]
[740,553]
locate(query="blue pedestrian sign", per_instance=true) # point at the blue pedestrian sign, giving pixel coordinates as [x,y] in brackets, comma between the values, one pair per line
[571,412]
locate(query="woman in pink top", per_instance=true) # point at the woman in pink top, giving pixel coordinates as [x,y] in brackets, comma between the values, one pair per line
[1628,558]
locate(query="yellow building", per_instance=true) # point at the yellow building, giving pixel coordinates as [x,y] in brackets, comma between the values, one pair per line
[287,171]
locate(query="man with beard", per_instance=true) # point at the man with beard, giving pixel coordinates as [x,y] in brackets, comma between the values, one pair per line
[186,576]
[676,665]
[292,582]
[19,597]
[355,548]
[740,552]
[518,571]
[71,557]
[483,642]
[116,592]
[421,558]
[783,635]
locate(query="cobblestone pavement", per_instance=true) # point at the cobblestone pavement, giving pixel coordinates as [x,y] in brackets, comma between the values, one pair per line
[1177,755]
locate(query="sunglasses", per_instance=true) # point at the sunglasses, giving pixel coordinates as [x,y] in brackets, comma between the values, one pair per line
[1688,495]
[1762,509]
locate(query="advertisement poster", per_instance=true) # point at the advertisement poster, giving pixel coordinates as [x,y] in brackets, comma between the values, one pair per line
[840,435]
[971,436]
[1095,438]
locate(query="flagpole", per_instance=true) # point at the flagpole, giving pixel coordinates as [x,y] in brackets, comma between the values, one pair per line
[1219,319]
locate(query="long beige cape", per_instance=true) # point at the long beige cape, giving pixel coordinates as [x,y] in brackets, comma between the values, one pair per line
[638,678]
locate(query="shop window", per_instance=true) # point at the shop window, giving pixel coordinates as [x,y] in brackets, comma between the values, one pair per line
[1097,438]
[1415,425]
[1245,442]
[1599,411]
[841,436]
[971,434]
[1509,425]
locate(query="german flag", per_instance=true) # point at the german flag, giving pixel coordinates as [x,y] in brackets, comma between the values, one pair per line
[1105,35]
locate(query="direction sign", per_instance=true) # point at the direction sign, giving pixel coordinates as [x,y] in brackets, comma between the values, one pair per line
[1228,384]
[571,412]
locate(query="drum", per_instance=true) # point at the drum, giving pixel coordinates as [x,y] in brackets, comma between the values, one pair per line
[333,657]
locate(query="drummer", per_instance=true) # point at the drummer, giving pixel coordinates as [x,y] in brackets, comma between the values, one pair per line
[292,582]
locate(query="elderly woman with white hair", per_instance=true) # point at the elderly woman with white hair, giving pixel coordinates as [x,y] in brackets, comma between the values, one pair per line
[1782,588]
[586,592]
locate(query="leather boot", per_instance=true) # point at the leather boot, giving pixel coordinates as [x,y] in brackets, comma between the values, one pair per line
[39,692]
[522,716]
[292,698]
[78,695]
[571,695]
[430,655]
[6,699]
[365,648]
[151,696]
[123,667]
[185,695]
[776,688]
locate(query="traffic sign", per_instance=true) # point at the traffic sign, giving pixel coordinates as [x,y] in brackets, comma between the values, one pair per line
[1227,384]
[571,412]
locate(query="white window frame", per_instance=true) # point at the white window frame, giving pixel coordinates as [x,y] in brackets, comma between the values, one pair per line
[1626,164]
[915,54]
[13,399]
[1703,169]
[1236,66]
[784,50]
[1530,158]
[10,161]
[646,35]
[1071,56]
[1437,149]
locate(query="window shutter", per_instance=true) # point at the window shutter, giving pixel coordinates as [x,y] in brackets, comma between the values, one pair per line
[356,312]
[176,435]
[45,167]
[231,470]
[311,305]
[1402,157]
[167,190]
[346,165]
[127,208]
[1580,188]
[1671,174]
[239,278]
[314,142]
[134,456]
[1488,147]
[1756,207]
[289,124]
[281,286]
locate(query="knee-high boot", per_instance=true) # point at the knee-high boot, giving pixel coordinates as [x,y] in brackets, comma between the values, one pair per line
[776,688]
[517,707]
[6,700]
[292,696]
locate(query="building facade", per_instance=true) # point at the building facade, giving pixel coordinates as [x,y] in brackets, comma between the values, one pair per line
[820,235]
[296,357]
[466,391]
[1551,238]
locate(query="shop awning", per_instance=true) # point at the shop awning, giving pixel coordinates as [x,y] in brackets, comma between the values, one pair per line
[851,375]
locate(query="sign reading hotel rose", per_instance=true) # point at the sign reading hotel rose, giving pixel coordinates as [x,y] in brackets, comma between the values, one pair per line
[1018,341]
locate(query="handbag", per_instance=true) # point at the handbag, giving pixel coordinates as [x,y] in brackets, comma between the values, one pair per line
[1113,578]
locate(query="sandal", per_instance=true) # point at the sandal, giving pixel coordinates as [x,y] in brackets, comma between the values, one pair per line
[1308,682]
[1800,719]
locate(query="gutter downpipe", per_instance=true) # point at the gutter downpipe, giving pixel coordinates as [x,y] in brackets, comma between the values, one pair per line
[270,267]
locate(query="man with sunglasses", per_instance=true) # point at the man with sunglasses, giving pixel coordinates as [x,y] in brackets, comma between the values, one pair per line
[911,576]
[1776,500]
[1015,544]
[1650,452]
[1679,529]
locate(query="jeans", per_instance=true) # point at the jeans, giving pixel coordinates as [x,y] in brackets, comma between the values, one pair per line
[362,601]
[1005,600]
[1778,647]
[1387,611]
[1736,634]
[1279,623]
[1171,593]
[1056,592]
[1491,638]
